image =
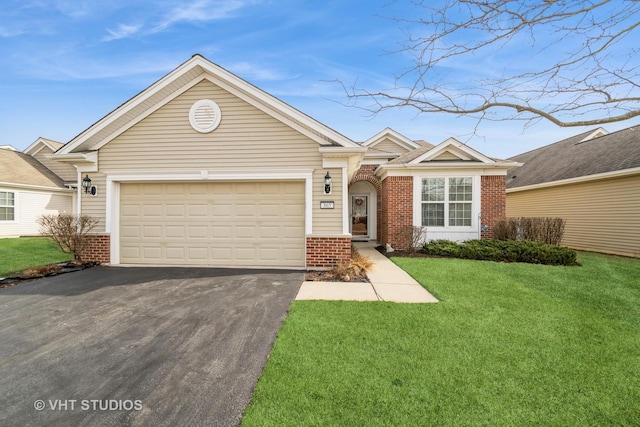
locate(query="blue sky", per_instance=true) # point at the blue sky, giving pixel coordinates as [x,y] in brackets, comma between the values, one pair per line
[64,64]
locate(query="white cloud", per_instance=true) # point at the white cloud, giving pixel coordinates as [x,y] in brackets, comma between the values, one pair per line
[250,71]
[121,32]
[201,11]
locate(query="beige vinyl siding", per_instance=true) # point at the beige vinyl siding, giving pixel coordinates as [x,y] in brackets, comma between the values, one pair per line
[30,204]
[447,155]
[602,216]
[390,147]
[327,221]
[63,170]
[95,206]
[246,140]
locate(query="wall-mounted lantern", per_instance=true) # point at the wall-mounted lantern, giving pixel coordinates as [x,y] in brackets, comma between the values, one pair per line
[327,183]
[88,188]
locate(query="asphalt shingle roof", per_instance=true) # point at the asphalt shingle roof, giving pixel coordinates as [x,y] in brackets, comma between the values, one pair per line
[20,168]
[571,158]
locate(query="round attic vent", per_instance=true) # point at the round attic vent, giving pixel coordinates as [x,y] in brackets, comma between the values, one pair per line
[205,116]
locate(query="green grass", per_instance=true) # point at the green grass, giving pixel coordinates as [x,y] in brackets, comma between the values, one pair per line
[508,345]
[28,252]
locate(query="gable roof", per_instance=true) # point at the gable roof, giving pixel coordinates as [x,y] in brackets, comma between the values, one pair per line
[395,137]
[578,156]
[456,150]
[179,81]
[40,142]
[21,169]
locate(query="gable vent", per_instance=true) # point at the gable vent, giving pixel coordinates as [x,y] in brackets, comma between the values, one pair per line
[205,116]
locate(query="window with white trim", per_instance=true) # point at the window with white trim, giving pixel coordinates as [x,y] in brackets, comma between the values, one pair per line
[447,201]
[7,206]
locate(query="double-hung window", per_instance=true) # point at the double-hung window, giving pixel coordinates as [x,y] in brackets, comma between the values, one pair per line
[7,206]
[447,201]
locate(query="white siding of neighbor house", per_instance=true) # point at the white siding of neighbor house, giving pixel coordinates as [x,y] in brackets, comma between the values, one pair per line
[602,216]
[247,140]
[30,204]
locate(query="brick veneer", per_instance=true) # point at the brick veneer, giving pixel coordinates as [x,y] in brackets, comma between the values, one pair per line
[98,249]
[493,202]
[365,173]
[327,251]
[396,210]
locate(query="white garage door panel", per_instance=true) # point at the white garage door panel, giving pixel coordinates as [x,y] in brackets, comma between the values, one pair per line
[219,224]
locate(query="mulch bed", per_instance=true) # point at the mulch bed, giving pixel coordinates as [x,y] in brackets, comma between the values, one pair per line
[328,276]
[404,254]
[45,271]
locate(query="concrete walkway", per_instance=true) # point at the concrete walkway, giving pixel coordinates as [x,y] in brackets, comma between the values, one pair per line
[388,283]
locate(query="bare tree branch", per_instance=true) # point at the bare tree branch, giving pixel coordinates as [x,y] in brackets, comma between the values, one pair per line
[571,62]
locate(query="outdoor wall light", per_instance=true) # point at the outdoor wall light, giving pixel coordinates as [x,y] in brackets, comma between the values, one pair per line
[88,188]
[327,183]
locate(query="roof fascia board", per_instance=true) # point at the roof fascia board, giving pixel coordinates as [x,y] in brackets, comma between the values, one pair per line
[578,180]
[452,165]
[228,80]
[264,107]
[396,137]
[147,112]
[600,131]
[89,158]
[39,141]
[129,105]
[382,172]
[457,145]
[35,187]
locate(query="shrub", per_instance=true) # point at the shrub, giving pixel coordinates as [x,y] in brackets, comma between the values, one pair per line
[506,250]
[445,248]
[68,231]
[547,230]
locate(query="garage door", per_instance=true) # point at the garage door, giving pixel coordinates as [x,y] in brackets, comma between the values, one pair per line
[226,224]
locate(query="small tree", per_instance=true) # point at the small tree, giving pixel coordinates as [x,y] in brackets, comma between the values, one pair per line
[571,62]
[68,231]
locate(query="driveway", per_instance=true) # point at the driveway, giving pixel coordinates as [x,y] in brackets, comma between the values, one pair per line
[115,346]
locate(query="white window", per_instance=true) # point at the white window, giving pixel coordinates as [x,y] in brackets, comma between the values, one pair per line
[447,201]
[7,206]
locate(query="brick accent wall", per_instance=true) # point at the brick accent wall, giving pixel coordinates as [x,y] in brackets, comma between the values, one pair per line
[99,249]
[327,251]
[397,209]
[365,173]
[493,202]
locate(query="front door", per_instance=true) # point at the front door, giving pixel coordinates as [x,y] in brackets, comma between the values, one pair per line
[360,215]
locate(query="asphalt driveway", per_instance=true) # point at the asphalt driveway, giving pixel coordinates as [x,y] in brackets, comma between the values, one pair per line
[138,346]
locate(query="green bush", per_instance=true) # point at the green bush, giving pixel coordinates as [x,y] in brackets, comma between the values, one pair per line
[503,250]
[445,248]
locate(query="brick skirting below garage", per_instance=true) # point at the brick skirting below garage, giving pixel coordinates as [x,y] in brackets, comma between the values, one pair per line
[98,249]
[327,251]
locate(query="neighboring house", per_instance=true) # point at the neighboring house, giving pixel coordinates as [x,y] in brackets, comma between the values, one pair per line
[592,180]
[28,189]
[203,168]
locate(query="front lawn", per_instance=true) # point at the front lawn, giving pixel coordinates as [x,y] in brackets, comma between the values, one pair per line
[509,344]
[28,252]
